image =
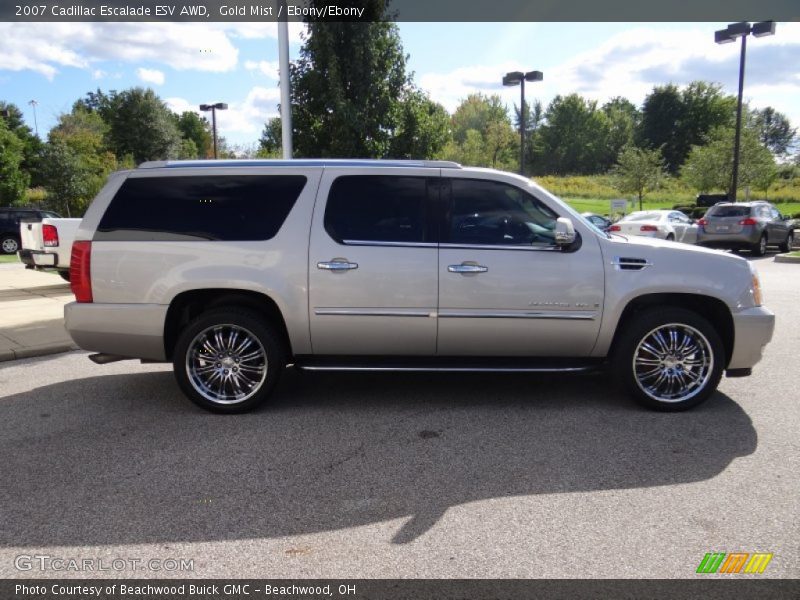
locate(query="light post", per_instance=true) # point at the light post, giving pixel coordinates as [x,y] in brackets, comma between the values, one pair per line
[727,36]
[519,78]
[33,103]
[214,108]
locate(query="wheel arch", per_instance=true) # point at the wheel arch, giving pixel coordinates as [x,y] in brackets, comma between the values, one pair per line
[188,305]
[714,310]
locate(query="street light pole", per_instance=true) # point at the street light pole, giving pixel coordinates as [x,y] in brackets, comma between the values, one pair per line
[726,36]
[214,108]
[519,78]
[33,103]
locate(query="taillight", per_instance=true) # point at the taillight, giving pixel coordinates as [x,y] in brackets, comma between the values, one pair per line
[748,221]
[50,235]
[80,274]
[702,222]
[615,228]
[648,228]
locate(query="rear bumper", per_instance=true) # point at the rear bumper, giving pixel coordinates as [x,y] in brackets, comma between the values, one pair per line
[130,330]
[745,239]
[36,258]
[753,330]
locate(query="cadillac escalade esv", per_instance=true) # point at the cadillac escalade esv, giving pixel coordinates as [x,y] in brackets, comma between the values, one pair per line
[232,270]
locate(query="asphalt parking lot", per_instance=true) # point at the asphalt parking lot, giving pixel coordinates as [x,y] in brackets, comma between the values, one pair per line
[403,475]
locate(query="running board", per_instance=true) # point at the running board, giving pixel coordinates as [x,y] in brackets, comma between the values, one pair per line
[447,364]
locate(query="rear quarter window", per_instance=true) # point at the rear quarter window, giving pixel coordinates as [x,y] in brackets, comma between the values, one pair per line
[225,208]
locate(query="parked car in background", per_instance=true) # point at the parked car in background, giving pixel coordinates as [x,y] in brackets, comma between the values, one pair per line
[599,221]
[232,270]
[671,225]
[746,226]
[9,225]
[46,244]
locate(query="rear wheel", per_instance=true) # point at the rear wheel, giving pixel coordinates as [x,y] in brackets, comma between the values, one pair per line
[9,244]
[760,247]
[64,275]
[228,360]
[670,237]
[669,359]
[787,245]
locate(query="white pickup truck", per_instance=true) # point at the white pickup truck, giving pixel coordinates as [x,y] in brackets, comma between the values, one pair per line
[47,243]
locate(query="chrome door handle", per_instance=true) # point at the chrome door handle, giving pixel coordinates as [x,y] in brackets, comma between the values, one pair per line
[337,265]
[466,268]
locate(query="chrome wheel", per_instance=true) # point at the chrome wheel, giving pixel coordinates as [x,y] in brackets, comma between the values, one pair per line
[226,364]
[762,245]
[673,363]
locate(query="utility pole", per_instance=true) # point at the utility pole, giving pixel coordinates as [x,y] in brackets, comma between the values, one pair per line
[34,103]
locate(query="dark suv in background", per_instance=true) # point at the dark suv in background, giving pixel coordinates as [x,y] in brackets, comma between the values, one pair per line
[745,225]
[9,225]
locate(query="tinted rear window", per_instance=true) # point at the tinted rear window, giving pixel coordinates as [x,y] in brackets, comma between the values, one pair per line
[728,211]
[377,208]
[229,208]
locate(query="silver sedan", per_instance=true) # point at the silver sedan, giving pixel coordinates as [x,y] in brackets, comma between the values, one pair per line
[664,224]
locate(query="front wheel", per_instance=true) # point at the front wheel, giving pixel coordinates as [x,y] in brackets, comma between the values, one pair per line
[669,359]
[787,245]
[228,360]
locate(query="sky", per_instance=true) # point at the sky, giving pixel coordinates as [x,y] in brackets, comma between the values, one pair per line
[192,63]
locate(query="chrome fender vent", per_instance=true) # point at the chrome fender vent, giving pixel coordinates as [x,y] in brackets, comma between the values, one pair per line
[625,263]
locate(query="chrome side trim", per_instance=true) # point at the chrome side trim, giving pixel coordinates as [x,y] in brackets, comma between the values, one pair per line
[449,369]
[623,263]
[376,312]
[493,247]
[528,314]
[395,244]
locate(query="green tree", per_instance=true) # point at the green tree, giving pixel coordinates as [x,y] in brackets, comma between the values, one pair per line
[622,118]
[197,130]
[674,119]
[31,145]
[482,134]
[271,141]
[346,85]
[710,166]
[573,138]
[774,130]
[13,180]
[638,171]
[422,127]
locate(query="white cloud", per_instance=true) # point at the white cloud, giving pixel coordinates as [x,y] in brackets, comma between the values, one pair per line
[245,117]
[98,74]
[150,75]
[268,68]
[629,64]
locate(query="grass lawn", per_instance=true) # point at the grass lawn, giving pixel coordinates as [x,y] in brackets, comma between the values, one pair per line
[8,258]
[603,207]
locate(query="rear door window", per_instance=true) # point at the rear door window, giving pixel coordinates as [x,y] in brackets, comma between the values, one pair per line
[224,207]
[380,208]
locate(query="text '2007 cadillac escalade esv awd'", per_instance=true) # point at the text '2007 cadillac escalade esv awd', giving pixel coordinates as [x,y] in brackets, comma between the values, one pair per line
[233,270]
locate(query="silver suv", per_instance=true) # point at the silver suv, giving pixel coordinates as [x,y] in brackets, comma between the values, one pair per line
[745,226]
[232,270]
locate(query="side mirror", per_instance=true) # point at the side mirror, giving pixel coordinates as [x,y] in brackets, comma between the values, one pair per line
[564,232]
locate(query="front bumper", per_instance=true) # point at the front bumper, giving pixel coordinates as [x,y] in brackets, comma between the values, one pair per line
[130,330]
[753,328]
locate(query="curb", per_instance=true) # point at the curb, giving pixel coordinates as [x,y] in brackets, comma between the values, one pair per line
[783,258]
[6,355]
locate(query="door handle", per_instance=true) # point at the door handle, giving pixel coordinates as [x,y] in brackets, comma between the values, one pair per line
[467,268]
[337,265]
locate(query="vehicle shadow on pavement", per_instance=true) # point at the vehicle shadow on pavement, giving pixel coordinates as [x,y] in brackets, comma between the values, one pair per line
[126,459]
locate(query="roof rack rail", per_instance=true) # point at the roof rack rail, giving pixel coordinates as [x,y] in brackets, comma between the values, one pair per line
[299,162]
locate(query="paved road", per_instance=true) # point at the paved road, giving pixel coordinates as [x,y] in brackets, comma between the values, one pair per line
[403,475]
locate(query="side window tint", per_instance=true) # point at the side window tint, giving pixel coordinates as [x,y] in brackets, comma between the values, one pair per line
[494,213]
[377,208]
[224,207]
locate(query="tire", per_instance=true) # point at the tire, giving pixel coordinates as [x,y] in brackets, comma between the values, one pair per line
[641,359]
[9,244]
[760,247]
[670,237]
[787,245]
[64,275]
[227,386]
